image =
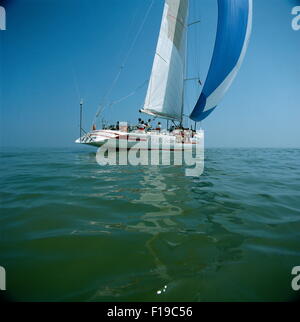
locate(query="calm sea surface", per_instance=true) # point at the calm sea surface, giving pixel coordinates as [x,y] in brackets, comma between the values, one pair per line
[72,230]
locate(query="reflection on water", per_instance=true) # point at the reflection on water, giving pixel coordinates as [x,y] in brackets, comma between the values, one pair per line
[156,192]
[149,232]
[155,222]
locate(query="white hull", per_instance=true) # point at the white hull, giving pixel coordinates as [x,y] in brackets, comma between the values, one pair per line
[152,140]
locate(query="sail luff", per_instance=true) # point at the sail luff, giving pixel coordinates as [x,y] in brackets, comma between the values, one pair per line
[165,91]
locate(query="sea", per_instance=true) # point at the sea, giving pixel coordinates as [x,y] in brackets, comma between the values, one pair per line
[73,230]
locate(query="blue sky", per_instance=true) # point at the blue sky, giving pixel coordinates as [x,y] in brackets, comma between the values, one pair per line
[54,52]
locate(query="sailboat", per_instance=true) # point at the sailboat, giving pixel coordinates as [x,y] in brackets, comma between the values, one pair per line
[166,90]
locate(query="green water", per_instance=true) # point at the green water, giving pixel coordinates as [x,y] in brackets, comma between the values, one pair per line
[72,230]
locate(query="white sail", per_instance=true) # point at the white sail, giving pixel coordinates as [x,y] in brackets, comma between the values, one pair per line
[165,91]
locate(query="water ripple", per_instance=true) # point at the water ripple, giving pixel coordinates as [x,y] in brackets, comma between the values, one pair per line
[85,232]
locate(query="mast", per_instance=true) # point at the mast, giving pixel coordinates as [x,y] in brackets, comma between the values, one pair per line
[80,121]
[185,61]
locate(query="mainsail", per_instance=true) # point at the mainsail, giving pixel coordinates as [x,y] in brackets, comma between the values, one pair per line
[233,33]
[165,91]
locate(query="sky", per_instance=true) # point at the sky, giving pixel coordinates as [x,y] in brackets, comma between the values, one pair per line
[54,52]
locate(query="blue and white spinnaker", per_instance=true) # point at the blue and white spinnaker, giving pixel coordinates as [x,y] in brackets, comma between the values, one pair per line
[233,34]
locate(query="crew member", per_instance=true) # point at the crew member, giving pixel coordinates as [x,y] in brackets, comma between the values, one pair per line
[141,126]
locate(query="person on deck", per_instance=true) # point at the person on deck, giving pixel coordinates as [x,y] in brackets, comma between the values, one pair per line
[158,128]
[141,126]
